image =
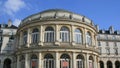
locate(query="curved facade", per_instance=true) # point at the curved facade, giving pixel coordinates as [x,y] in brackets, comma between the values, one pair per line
[57,39]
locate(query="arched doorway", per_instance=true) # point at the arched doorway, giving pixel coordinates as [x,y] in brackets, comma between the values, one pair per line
[109,64]
[117,64]
[65,61]
[101,64]
[91,65]
[7,63]
[34,61]
[49,61]
[80,61]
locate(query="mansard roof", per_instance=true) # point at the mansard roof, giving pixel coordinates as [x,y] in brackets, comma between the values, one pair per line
[6,26]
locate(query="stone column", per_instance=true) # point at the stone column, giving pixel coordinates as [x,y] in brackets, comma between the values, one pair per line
[57,62]
[74,60]
[87,61]
[95,62]
[57,35]
[18,63]
[105,64]
[40,61]
[27,61]
[41,36]
[113,64]
[28,38]
[98,64]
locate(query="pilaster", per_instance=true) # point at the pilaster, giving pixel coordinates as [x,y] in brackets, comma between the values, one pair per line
[87,60]
[95,62]
[72,35]
[57,35]
[27,61]
[40,61]
[18,63]
[28,38]
[74,60]
[41,35]
[57,63]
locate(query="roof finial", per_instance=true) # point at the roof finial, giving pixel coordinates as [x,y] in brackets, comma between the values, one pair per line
[9,23]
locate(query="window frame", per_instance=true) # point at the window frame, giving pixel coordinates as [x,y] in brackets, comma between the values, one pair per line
[64,34]
[78,36]
[49,35]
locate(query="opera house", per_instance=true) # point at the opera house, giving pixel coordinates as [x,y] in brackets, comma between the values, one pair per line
[58,38]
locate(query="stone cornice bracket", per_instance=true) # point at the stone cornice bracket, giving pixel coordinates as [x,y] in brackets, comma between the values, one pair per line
[55,16]
[83,20]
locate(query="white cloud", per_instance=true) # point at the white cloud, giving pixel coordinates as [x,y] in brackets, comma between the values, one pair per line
[16,22]
[12,6]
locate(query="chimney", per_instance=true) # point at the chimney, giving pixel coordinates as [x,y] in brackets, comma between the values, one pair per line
[97,27]
[111,29]
[9,23]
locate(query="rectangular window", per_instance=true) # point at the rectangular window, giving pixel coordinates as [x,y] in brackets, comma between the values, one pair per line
[24,39]
[116,51]
[49,36]
[108,51]
[64,36]
[100,51]
[35,37]
[99,44]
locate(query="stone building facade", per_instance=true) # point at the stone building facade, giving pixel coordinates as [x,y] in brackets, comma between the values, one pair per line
[58,38]
[109,48]
[7,36]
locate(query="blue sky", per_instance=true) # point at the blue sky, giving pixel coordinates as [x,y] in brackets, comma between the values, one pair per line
[103,12]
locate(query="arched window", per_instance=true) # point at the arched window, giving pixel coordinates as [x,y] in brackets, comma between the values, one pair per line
[80,61]
[25,37]
[117,64]
[64,34]
[88,39]
[65,61]
[34,61]
[49,61]
[78,36]
[109,64]
[22,61]
[7,63]
[49,34]
[101,64]
[91,65]
[35,35]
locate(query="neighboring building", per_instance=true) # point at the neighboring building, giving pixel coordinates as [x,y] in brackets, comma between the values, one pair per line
[7,35]
[58,38]
[109,48]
